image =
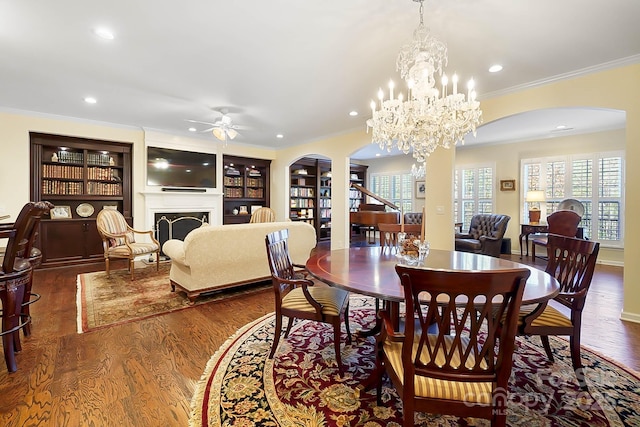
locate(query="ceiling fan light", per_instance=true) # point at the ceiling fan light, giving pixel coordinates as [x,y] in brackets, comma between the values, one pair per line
[220,134]
[231,133]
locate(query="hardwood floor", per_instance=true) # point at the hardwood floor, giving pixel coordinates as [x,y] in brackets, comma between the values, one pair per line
[144,373]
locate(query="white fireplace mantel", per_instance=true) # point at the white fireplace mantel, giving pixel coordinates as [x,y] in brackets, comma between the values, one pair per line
[179,201]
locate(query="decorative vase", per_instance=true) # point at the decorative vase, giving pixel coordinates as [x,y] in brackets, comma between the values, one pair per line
[235,211]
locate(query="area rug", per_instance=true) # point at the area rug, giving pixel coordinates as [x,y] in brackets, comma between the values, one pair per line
[104,302]
[301,385]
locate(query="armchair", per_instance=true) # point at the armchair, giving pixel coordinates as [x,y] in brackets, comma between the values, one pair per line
[485,235]
[118,239]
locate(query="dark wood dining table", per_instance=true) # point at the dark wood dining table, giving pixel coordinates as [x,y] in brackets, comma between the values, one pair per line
[371,271]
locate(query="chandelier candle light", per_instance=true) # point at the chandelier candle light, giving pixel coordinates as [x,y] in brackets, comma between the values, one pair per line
[429,118]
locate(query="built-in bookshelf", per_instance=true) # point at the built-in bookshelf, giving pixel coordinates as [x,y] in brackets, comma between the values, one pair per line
[80,177]
[246,187]
[358,175]
[311,189]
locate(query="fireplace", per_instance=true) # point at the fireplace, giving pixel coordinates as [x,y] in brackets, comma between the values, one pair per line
[176,225]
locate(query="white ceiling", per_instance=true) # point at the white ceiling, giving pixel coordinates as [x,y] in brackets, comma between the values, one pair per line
[295,67]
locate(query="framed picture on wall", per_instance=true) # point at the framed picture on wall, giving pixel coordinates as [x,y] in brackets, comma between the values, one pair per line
[508,185]
[421,189]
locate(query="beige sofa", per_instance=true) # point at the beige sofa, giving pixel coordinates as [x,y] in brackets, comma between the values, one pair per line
[215,257]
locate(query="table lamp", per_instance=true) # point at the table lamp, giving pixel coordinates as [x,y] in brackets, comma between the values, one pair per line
[534,212]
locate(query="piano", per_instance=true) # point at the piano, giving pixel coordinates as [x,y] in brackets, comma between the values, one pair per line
[371,214]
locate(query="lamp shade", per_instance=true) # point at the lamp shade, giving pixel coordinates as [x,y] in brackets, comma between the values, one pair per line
[535,196]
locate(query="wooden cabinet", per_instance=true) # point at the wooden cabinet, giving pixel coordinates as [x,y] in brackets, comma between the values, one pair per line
[310,193]
[246,187]
[80,177]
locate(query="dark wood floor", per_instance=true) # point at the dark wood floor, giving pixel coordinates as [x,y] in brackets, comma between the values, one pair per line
[144,373]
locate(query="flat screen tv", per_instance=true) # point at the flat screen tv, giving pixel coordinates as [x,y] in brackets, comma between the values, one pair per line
[181,169]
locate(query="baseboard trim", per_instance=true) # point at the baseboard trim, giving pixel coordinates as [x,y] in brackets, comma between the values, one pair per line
[630,317]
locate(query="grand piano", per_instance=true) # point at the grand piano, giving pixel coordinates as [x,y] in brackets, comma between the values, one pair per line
[371,214]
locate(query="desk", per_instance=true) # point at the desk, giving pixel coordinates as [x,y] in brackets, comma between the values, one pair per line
[371,271]
[541,227]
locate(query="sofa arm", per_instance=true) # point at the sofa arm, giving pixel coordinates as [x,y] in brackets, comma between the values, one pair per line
[174,249]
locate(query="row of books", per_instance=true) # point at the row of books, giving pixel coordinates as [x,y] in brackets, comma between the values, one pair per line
[62,171]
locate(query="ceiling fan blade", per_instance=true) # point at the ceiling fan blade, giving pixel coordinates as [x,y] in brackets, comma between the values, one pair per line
[209,130]
[202,123]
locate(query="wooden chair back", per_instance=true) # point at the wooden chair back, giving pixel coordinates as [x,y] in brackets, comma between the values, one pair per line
[460,327]
[572,262]
[564,223]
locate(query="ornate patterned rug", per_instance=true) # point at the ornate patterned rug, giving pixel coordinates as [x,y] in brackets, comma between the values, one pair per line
[103,302]
[301,385]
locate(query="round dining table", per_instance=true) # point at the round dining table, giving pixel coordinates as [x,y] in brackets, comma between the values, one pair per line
[370,270]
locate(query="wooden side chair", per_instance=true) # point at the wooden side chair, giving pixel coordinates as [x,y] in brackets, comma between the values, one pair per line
[455,355]
[563,223]
[572,262]
[263,215]
[299,298]
[118,239]
[388,235]
[15,276]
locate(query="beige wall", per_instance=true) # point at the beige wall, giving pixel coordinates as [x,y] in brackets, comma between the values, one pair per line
[506,161]
[618,89]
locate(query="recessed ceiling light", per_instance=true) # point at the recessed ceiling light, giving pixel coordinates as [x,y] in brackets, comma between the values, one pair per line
[495,68]
[104,33]
[90,100]
[279,136]
[560,127]
[192,129]
[378,154]
[353,113]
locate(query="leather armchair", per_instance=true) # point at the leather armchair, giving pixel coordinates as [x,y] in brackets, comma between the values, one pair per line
[485,235]
[413,218]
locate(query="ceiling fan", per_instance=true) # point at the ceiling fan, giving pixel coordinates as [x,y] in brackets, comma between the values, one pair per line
[223,128]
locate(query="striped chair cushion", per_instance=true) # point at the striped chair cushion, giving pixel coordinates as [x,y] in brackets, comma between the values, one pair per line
[332,299]
[472,392]
[549,317]
[552,317]
[136,249]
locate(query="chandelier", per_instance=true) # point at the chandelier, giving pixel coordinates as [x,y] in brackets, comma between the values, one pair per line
[429,118]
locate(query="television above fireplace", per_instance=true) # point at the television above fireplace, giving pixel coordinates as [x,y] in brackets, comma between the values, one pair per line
[180,169]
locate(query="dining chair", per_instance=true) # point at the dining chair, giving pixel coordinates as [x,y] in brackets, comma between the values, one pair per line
[572,262]
[298,297]
[15,275]
[263,215]
[31,253]
[118,239]
[389,235]
[562,222]
[454,357]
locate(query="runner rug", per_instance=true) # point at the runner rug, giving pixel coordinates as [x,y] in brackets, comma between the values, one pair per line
[301,385]
[104,302]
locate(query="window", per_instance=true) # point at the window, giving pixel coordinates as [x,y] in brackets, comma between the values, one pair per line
[396,188]
[472,192]
[596,180]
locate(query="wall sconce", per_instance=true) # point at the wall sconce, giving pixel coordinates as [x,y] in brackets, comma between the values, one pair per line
[534,212]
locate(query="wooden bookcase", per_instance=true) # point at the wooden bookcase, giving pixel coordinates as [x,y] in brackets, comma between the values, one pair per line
[310,193]
[358,176]
[246,186]
[80,177]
